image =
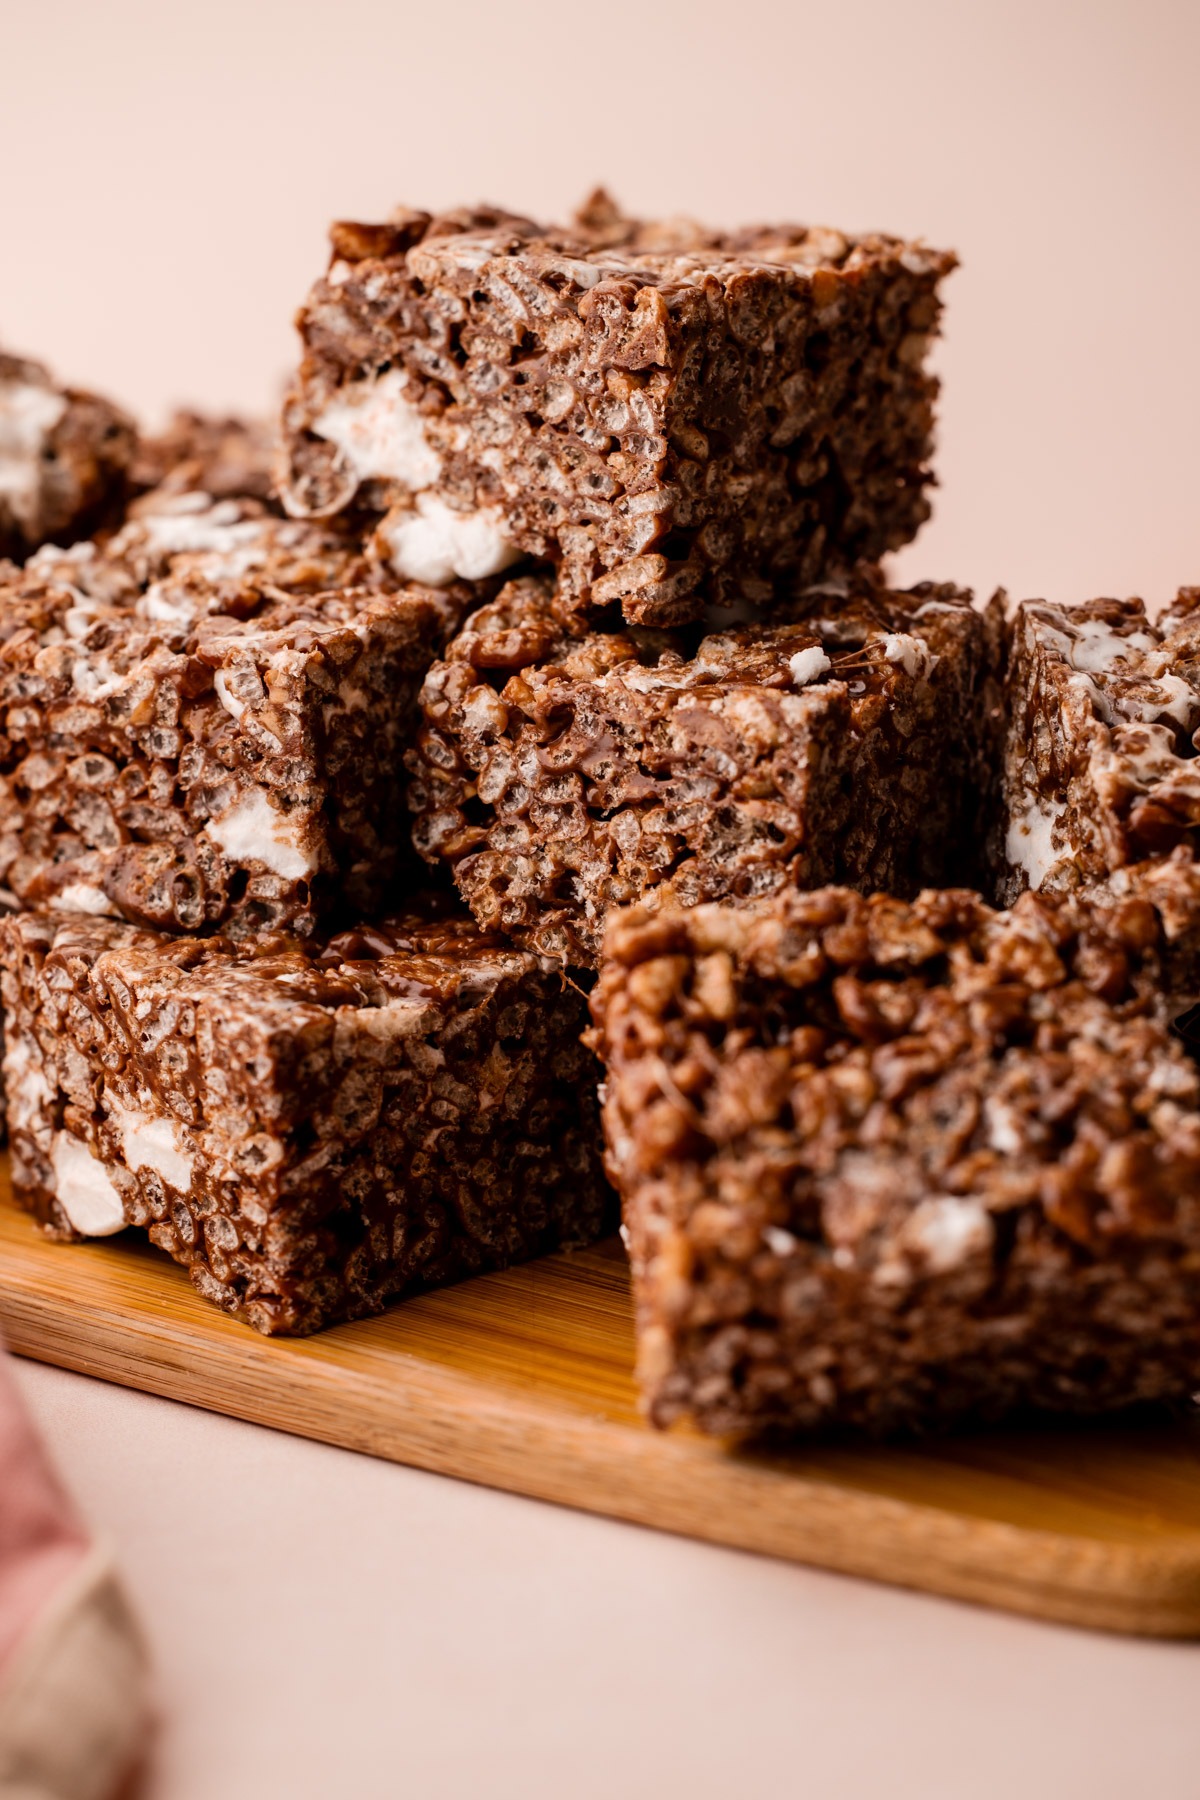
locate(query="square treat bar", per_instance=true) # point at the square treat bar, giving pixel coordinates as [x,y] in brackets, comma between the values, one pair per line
[309,1130]
[204,723]
[1100,781]
[1100,768]
[563,770]
[672,415]
[64,459]
[226,458]
[890,1165]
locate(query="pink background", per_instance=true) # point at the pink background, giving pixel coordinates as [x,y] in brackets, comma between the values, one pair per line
[328,1625]
[167,172]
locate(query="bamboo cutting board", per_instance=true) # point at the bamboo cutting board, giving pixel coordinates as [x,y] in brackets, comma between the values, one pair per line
[524,1381]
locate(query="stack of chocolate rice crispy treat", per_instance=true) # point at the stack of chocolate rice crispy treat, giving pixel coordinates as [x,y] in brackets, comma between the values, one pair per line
[545,649]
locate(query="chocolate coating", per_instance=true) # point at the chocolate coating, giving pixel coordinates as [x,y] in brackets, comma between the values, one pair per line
[892,1166]
[310,1128]
[562,770]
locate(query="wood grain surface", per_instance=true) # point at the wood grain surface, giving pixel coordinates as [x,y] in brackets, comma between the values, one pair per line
[524,1381]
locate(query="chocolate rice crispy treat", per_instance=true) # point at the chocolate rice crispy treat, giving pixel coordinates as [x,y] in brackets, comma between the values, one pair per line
[203,723]
[675,416]
[1100,778]
[227,458]
[562,770]
[888,1165]
[1100,766]
[64,459]
[310,1129]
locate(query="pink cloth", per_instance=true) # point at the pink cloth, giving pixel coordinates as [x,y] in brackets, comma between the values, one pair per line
[74,1714]
[42,1540]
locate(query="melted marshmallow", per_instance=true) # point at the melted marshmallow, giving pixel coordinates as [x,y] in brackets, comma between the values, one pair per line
[1092,647]
[380,432]
[25,1084]
[1180,702]
[912,654]
[1096,646]
[155,606]
[84,1189]
[584,275]
[28,414]
[1152,756]
[152,1143]
[50,557]
[79,619]
[352,696]
[236,545]
[1003,1127]
[95,679]
[81,896]
[1029,843]
[807,665]
[228,700]
[949,1230]
[1096,697]
[436,545]
[251,830]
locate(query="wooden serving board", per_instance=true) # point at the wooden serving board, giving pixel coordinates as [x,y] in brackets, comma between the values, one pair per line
[524,1381]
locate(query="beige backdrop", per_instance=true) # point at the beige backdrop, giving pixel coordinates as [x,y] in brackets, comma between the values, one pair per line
[167,170]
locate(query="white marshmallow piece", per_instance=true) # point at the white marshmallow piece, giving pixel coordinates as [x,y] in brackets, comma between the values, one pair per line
[232,546]
[82,897]
[1097,646]
[808,664]
[29,1092]
[228,699]
[251,830]
[436,545]
[150,1143]
[84,1188]
[159,610]
[948,1230]
[912,654]
[380,432]
[1029,842]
